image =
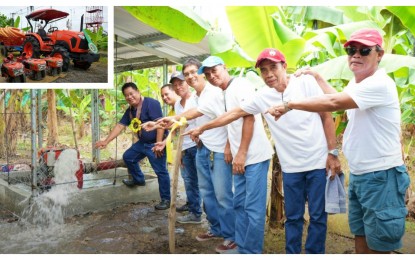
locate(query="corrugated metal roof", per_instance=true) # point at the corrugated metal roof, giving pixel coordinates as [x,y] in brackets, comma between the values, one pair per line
[139,46]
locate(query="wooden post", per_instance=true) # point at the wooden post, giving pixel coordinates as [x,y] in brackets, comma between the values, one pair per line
[172,212]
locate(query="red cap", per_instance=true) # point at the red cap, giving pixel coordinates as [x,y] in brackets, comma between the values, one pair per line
[270,54]
[367,36]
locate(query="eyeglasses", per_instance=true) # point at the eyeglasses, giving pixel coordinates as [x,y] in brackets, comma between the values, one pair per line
[363,51]
[187,74]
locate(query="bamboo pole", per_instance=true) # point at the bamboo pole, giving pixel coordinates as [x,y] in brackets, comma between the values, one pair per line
[172,212]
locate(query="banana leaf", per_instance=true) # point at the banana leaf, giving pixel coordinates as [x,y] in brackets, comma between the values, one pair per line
[178,22]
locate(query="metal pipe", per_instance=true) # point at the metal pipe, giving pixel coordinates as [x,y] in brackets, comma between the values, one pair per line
[95,125]
[33,138]
[39,118]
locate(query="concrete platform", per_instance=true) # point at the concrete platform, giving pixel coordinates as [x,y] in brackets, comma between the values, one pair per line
[102,191]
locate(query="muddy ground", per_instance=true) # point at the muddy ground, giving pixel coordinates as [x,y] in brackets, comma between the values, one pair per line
[139,229]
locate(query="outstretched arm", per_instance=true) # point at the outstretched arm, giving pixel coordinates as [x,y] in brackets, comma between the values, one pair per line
[114,133]
[222,120]
[324,85]
[323,103]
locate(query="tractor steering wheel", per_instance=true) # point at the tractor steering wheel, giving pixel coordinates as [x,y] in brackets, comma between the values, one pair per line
[52,29]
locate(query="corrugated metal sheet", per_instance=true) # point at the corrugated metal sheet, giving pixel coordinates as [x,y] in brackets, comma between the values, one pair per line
[139,46]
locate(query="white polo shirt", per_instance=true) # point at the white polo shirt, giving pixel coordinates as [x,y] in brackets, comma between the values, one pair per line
[298,135]
[371,141]
[190,103]
[241,91]
[210,104]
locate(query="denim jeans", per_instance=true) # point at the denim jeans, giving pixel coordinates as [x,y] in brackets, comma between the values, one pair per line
[191,185]
[298,188]
[250,207]
[139,151]
[215,184]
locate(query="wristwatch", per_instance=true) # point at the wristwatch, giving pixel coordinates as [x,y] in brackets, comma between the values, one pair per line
[334,152]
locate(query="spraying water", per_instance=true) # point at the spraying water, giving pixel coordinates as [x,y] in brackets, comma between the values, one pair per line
[41,227]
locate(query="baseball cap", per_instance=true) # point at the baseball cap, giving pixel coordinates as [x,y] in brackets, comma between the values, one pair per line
[176,75]
[367,36]
[270,54]
[209,62]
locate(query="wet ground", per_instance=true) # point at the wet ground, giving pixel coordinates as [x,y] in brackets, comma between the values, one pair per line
[140,229]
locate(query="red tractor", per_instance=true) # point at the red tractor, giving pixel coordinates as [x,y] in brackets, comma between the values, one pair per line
[63,44]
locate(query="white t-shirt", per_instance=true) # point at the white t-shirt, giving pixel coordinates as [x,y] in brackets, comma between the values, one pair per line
[239,92]
[190,103]
[298,135]
[371,141]
[210,104]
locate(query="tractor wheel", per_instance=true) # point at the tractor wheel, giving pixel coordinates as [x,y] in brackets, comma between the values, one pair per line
[62,52]
[82,64]
[31,47]
[22,78]
[4,51]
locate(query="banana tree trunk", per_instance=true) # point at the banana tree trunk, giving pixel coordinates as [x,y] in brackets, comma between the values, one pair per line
[276,205]
[52,118]
[9,124]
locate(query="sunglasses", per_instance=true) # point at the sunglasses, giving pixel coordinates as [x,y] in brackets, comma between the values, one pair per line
[363,51]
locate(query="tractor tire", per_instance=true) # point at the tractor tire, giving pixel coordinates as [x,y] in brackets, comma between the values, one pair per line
[18,79]
[4,51]
[62,52]
[31,47]
[82,64]
[22,78]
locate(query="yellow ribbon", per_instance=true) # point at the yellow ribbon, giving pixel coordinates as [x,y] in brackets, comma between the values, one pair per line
[176,124]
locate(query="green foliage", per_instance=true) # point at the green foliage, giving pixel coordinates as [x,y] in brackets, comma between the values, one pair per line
[172,21]
[99,38]
[78,100]
[148,82]
[5,21]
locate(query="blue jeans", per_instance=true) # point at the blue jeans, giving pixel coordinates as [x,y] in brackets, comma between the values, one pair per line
[299,188]
[139,151]
[377,207]
[250,207]
[191,185]
[215,184]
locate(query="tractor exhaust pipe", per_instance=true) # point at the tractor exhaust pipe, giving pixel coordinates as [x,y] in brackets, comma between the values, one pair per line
[82,23]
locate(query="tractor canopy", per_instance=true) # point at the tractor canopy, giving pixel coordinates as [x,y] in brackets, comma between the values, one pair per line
[46,15]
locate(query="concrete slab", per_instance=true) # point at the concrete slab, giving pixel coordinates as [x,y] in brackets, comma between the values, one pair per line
[102,191]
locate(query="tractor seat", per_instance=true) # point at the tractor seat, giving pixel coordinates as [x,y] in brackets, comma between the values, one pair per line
[43,34]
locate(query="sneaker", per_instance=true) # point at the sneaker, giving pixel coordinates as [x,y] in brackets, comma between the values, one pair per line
[227,247]
[189,219]
[206,236]
[183,208]
[164,204]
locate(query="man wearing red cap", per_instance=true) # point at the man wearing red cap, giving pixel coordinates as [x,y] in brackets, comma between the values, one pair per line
[305,143]
[371,144]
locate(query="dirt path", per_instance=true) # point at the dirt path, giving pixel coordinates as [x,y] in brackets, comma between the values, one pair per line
[97,73]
